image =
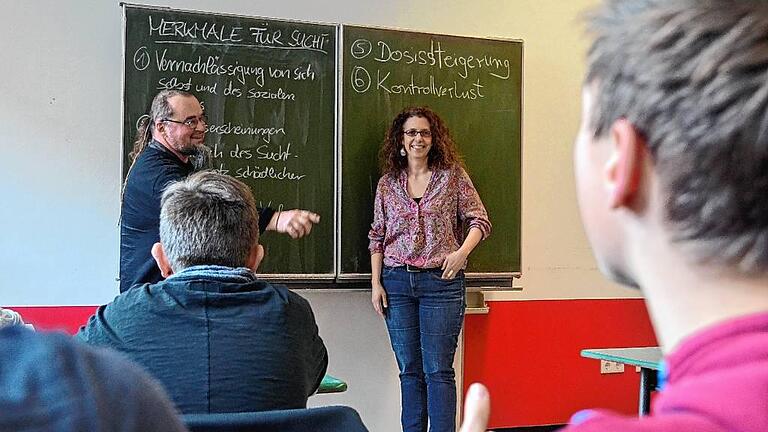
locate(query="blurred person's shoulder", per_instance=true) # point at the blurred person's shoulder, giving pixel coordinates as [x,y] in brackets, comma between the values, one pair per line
[50,382]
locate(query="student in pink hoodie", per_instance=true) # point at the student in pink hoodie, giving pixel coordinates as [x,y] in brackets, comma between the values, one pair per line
[672,176]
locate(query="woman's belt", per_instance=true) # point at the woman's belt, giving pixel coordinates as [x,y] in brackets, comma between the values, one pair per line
[413,269]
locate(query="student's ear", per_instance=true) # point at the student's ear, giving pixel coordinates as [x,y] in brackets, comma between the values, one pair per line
[625,164]
[254,257]
[158,253]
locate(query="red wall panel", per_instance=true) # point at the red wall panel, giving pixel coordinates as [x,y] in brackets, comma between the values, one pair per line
[527,353]
[50,318]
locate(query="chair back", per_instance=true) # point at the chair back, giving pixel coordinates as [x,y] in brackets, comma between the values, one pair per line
[323,419]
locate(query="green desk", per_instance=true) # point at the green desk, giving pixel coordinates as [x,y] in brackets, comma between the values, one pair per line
[332,385]
[647,359]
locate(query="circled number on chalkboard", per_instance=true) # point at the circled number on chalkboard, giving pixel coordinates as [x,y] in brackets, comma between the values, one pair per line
[141,58]
[361,79]
[361,48]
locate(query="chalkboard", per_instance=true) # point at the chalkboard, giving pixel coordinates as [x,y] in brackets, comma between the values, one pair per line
[476,87]
[268,88]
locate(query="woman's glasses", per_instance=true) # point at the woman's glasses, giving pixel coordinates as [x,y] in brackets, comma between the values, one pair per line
[425,133]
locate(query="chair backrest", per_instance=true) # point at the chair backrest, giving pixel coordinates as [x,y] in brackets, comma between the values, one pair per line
[323,419]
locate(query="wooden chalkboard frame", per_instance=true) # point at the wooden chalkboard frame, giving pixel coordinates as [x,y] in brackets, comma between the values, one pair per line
[498,280]
[314,278]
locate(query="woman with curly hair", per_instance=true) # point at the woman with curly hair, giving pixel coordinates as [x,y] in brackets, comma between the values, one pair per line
[424,201]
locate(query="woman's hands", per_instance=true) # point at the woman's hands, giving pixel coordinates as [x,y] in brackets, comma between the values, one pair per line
[378,295]
[378,298]
[453,263]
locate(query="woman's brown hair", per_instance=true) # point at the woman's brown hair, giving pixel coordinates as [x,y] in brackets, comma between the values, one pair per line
[442,155]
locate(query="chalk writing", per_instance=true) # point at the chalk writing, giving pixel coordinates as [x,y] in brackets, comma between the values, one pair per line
[257,36]
[424,62]
[430,88]
[238,153]
[299,73]
[141,58]
[264,152]
[174,83]
[360,48]
[309,40]
[209,65]
[261,172]
[361,79]
[264,36]
[231,90]
[221,169]
[437,56]
[278,94]
[194,30]
[206,88]
[265,133]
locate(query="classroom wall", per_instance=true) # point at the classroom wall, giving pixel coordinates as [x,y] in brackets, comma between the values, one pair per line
[60,170]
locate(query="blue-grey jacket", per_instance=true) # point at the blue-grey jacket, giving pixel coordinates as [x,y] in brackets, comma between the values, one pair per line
[218,339]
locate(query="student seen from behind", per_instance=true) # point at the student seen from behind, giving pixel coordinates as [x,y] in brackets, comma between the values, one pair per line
[216,336]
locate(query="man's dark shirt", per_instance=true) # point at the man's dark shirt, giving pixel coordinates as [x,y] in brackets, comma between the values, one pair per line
[218,339]
[154,169]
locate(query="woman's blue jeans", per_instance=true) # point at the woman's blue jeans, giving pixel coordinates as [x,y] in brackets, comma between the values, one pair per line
[424,318]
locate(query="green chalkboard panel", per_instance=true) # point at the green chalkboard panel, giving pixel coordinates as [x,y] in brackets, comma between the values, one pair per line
[269,90]
[475,85]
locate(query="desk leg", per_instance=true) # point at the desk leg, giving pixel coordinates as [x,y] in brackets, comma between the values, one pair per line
[647,385]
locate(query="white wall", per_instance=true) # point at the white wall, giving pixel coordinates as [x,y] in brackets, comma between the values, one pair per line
[59,170]
[60,147]
[360,354]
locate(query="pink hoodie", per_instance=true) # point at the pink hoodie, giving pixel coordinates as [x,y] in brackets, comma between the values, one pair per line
[717,381]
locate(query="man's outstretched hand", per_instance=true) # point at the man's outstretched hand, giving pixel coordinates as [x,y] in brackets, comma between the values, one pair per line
[296,223]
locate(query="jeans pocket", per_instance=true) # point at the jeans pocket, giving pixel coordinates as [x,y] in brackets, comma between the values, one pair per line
[438,275]
[387,272]
[447,289]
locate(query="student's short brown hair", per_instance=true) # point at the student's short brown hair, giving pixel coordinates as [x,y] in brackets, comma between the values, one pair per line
[692,77]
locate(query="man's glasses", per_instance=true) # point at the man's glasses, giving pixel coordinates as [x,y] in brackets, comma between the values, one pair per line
[425,133]
[191,122]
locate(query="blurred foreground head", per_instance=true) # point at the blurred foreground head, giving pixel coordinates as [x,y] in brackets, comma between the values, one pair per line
[690,79]
[48,382]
